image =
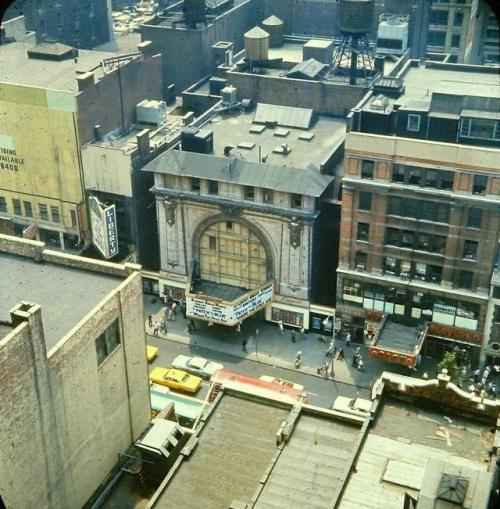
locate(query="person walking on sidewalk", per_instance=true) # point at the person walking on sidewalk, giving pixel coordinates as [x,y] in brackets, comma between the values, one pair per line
[293,335]
[298,359]
[340,356]
[183,308]
[238,329]
[302,333]
[348,339]
[280,325]
[150,320]
[174,308]
[155,329]
[244,345]
[331,348]
[355,360]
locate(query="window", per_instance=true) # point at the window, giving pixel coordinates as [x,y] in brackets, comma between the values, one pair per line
[107,342]
[296,201]
[195,185]
[17,207]
[365,200]
[438,18]
[212,243]
[3,204]
[360,260]
[267,196]
[367,169]
[458,19]
[28,210]
[44,212]
[419,209]
[455,41]
[54,212]
[424,177]
[479,184]
[474,218]
[465,279]
[249,193]
[287,317]
[393,237]
[482,129]
[391,265]
[436,38]
[73,218]
[229,225]
[413,123]
[363,231]
[213,187]
[470,249]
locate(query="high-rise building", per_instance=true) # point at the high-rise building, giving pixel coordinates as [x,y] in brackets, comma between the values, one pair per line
[420,205]
[80,23]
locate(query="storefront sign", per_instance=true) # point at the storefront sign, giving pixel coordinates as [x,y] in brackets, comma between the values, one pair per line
[442,308]
[104,228]
[204,308]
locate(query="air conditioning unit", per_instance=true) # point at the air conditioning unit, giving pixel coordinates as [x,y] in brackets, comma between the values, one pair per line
[360,266]
[405,275]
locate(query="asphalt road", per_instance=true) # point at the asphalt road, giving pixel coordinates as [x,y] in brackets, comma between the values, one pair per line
[322,392]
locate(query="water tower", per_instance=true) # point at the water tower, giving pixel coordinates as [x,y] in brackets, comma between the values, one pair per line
[354,51]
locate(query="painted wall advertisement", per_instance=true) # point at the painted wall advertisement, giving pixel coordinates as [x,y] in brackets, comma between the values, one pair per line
[104,227]
[201,307]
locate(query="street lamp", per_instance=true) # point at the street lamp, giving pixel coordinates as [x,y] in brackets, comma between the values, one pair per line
[325,323]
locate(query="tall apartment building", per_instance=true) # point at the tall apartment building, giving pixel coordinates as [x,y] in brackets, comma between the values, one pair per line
[80,23]
[490,37]
[420,206]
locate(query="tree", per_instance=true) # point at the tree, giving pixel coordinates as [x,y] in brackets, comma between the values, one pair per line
[449,363]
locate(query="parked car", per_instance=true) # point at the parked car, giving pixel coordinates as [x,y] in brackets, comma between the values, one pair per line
[175,379]
[355,406]
[196,365]
[151,352]
[282,382]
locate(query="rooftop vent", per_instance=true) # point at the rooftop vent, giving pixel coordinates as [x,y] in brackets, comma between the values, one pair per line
[379,103]
[453,488]
[52,51]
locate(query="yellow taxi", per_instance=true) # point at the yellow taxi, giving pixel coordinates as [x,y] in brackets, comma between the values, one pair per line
[151,352]
[175,379]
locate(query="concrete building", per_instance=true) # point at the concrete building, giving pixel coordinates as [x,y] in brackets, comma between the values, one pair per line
[82,24]
[420,205]
[51,99]
[112,173]
[74,373]
[248,223]
[489,39]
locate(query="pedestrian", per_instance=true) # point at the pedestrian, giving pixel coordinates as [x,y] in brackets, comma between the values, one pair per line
[163,326]
[190,328]
[331,348]
[293,334]
[238,329]
[477,373]
[340,356]
[494,390]
[169,314]
[183,308]
[155,329]
[174,308]
[192,324]
[150,320]
[357,352]
[257,332]
[464,372]
[244,345]
[348,339]
[280,325]
[298,359]
[355,360]
[302,333]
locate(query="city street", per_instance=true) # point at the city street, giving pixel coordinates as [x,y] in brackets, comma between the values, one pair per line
[322,392]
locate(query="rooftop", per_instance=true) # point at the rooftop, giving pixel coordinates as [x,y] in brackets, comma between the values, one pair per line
[308,146]
[406,445]
[309,182]
[310,468]
[404,337]
[17,68]
[235,447]
[65,294]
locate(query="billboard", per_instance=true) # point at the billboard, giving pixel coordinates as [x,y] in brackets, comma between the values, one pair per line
[104,227]
[226,313]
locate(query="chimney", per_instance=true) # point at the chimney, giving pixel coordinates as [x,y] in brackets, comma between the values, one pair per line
[143,142]
[85,80]
[97,132]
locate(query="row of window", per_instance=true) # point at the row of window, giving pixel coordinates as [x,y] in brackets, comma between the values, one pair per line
[424,177]
[441,18]
[399,301]
[248,193]
[421,209]
[438,38]
[24,208]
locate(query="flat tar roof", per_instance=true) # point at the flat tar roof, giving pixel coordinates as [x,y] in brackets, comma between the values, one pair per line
[309,470]
[404,447]
[65,294]
[398,336]
[234,129]
[16,67]
[235,447]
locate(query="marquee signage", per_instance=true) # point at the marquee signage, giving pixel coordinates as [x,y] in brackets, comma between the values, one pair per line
[104,227]
[198,306]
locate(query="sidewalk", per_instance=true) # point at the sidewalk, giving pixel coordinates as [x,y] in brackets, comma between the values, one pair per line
[270,347]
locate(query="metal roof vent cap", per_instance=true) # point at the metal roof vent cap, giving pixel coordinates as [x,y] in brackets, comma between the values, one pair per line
[453,488]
